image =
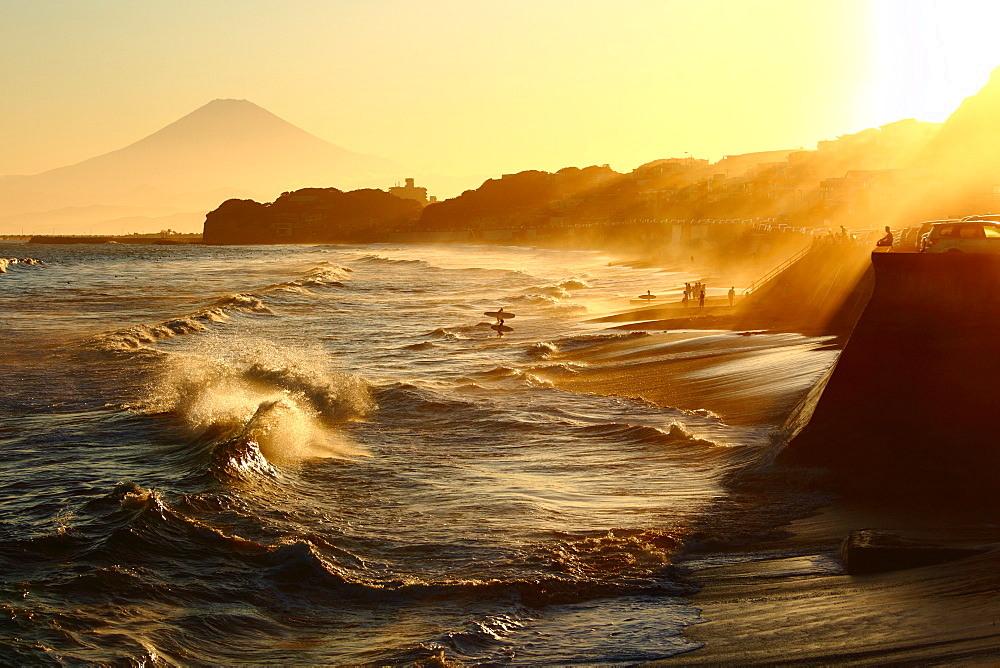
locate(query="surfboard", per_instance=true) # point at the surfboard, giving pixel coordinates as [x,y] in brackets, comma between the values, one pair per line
[501,328]
[499,314]
[647,296]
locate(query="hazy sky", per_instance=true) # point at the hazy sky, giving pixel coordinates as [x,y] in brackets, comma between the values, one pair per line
[477,87]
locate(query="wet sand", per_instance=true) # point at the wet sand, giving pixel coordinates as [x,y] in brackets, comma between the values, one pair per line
[743,377]
[805,610]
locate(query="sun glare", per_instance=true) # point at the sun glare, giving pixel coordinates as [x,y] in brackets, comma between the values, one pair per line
[931,55]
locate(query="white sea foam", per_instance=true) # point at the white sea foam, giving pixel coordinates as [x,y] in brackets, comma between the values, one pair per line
[6,262]
[243,302]
[542,349]
[140,335]
[289,402]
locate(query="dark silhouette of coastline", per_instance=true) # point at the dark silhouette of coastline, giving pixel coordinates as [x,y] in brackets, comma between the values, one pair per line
[311,215]
[892,175]
[895,175]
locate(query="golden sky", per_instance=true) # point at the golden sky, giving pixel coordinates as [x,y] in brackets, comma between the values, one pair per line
[478,88]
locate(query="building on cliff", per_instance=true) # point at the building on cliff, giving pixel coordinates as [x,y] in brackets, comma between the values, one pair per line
[410,191]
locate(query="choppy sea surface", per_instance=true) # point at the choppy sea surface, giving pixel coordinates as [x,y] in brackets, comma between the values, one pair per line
[323,454]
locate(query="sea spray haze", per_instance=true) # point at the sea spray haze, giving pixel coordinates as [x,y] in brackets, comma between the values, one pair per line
[324,455]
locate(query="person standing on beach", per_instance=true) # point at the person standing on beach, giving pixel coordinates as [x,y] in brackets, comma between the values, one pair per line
[701,298]
[732,295]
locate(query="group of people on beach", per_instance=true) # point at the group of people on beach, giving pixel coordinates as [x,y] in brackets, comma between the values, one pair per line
[696,291]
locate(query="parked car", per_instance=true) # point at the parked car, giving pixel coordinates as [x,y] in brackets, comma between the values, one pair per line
[908,239]
[985,216]
[973,236]
[924,228]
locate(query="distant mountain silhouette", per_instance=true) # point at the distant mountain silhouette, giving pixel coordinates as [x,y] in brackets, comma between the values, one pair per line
[227,147]
[226,143]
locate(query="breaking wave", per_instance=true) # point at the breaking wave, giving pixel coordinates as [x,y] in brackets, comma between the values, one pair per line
[618,552]
[674,435]
[140,335]
[6,262]
[574,284]
[458,333]
[541,350]
[143,335]
[283,404]
[520,377]
[244,303]
[326,274]
[380,259]
[587,340]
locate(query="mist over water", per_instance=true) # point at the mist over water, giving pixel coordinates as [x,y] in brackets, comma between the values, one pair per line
[325,455]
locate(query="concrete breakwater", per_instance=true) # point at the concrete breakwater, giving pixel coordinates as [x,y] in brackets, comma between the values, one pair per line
[153,239]
[913,395]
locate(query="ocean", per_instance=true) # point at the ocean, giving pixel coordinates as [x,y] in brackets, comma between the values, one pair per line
[325,455]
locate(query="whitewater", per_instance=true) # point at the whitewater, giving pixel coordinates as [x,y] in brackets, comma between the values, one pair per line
[324,455]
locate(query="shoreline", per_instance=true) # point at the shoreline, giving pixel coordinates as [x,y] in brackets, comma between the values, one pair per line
[790,600]
[787,599]
[798,606]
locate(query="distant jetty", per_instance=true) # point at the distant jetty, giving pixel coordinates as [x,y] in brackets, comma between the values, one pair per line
[144,239]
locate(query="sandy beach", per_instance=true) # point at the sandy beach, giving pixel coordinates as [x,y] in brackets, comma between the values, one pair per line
[800,607]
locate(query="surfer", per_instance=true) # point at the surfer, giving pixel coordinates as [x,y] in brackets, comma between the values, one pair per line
[500,315]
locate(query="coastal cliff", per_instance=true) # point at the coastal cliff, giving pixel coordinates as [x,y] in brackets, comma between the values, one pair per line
[310,215]
[912,396]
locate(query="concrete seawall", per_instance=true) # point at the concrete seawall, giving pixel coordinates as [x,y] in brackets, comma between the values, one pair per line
[914,394]
[824,292]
